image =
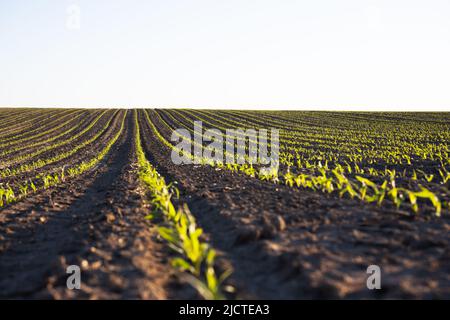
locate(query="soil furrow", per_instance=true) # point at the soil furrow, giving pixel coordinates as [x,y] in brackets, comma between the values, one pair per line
[96,222]
[86,152]
[290,243]
[36,144]
[283,242]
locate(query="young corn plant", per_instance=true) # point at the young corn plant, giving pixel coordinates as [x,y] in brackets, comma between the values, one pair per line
[50,180]
[445,175]
[23,189]
[32,186]
[289,178]
[325,183]
[424,194]
[7,196]
[377,194]
[180,230]
[396,197]
[343,184]
[269,175]
[352,156]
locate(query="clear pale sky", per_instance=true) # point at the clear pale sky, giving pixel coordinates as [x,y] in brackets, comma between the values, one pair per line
[322,54]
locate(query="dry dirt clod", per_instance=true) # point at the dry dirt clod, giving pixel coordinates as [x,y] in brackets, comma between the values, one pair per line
[272,225]
[247,234]
[85,264]
[110,218]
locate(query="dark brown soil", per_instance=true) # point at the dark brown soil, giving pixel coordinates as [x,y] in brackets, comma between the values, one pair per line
[25,147]
[85,153]
[96,222]
[17,123]
[283,243]
[293,244]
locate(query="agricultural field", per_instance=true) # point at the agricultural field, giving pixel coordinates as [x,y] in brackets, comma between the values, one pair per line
[99,189]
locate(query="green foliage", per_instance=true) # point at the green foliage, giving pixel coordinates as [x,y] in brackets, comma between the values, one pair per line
[47,180]
[345,160]
[180,230]
[6,195]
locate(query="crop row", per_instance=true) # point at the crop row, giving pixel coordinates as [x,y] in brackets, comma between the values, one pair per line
[57,175]
[49,147]
[37,135]
[302,161]
[379,145]
[331,180]
[23,123]
[34,165]
[180,230]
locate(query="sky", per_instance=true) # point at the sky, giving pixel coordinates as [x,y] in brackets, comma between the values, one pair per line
[276,54]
